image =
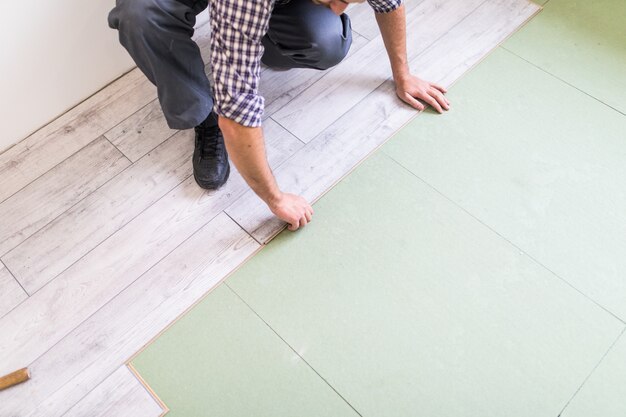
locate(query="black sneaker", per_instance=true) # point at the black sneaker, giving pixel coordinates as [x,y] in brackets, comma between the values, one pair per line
[210,159]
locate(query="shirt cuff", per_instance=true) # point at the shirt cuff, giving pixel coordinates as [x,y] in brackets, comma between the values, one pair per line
[245,109]
[384,6]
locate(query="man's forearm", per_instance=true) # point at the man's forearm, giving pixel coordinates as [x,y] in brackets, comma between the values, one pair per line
[246,148]
[409,87]
[393,30]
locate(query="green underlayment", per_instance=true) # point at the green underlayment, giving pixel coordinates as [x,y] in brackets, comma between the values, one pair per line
[426,284]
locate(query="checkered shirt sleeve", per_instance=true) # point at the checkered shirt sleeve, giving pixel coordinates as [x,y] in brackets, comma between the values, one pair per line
[384,6]
[237,27]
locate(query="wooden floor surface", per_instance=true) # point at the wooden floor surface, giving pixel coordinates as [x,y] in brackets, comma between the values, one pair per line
[105,238]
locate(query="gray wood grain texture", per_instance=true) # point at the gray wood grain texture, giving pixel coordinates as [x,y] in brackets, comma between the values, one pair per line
[479,39]
[11,294]
[96,347]
[363,18]
[53,193]
[358,75]
[43,255]
[107,269]
[52,144]
[331,155]
[141,132]
[121,394]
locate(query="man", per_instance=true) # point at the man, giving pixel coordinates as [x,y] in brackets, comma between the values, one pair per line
[280,33]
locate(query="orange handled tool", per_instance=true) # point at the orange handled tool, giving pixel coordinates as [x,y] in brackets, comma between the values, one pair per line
[14,378]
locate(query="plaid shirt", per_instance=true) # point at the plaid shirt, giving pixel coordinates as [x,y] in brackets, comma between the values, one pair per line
[237,27]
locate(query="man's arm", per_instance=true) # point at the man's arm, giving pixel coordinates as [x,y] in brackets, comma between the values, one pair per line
[247,150]
[408,87]
[239,26]
[391,19]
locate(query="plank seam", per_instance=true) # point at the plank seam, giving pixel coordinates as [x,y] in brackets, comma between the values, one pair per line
[18,283]
[617,339]
[78,201]
[562,80]
[124,289]
[506,239]
[293,350]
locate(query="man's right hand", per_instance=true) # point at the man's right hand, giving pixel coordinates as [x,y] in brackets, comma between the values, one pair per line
[246,147]
[292,209]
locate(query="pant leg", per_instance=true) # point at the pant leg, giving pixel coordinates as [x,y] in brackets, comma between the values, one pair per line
[157,35]
[302,34]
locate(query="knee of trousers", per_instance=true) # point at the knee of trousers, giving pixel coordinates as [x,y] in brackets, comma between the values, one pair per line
[331,46]
[138,18]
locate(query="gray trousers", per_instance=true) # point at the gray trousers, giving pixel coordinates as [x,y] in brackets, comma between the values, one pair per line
[157,34]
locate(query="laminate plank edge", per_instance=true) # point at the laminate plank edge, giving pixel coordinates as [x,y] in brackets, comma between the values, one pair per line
[121,394]
[340,147]
[11,293]
[31,208]
[85,356]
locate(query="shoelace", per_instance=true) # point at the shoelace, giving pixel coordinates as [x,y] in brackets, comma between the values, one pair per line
[208,141]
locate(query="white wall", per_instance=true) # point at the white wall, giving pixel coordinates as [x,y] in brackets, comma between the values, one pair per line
[53,54]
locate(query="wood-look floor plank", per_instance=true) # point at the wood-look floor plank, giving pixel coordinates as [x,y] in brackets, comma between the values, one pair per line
[53,312]
[44,255]
[121,394]
[141,132]
[141,311]
[44,149]
[39,202]
[363,18]
[339,148]
[57,308]
[479,38]
[11,294]
[358,75]
[279,87]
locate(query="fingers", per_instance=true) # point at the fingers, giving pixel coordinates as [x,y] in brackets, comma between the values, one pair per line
[432,102]
[301,220]
[439,87]
[293,226]
[441,99]
[412,101]
[307,216]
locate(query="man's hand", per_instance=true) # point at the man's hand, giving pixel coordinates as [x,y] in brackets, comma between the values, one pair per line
[293,209]
[246,148]
[408,87]
[411,88]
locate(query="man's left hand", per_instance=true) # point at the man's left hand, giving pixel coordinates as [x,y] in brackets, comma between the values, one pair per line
[411,88]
